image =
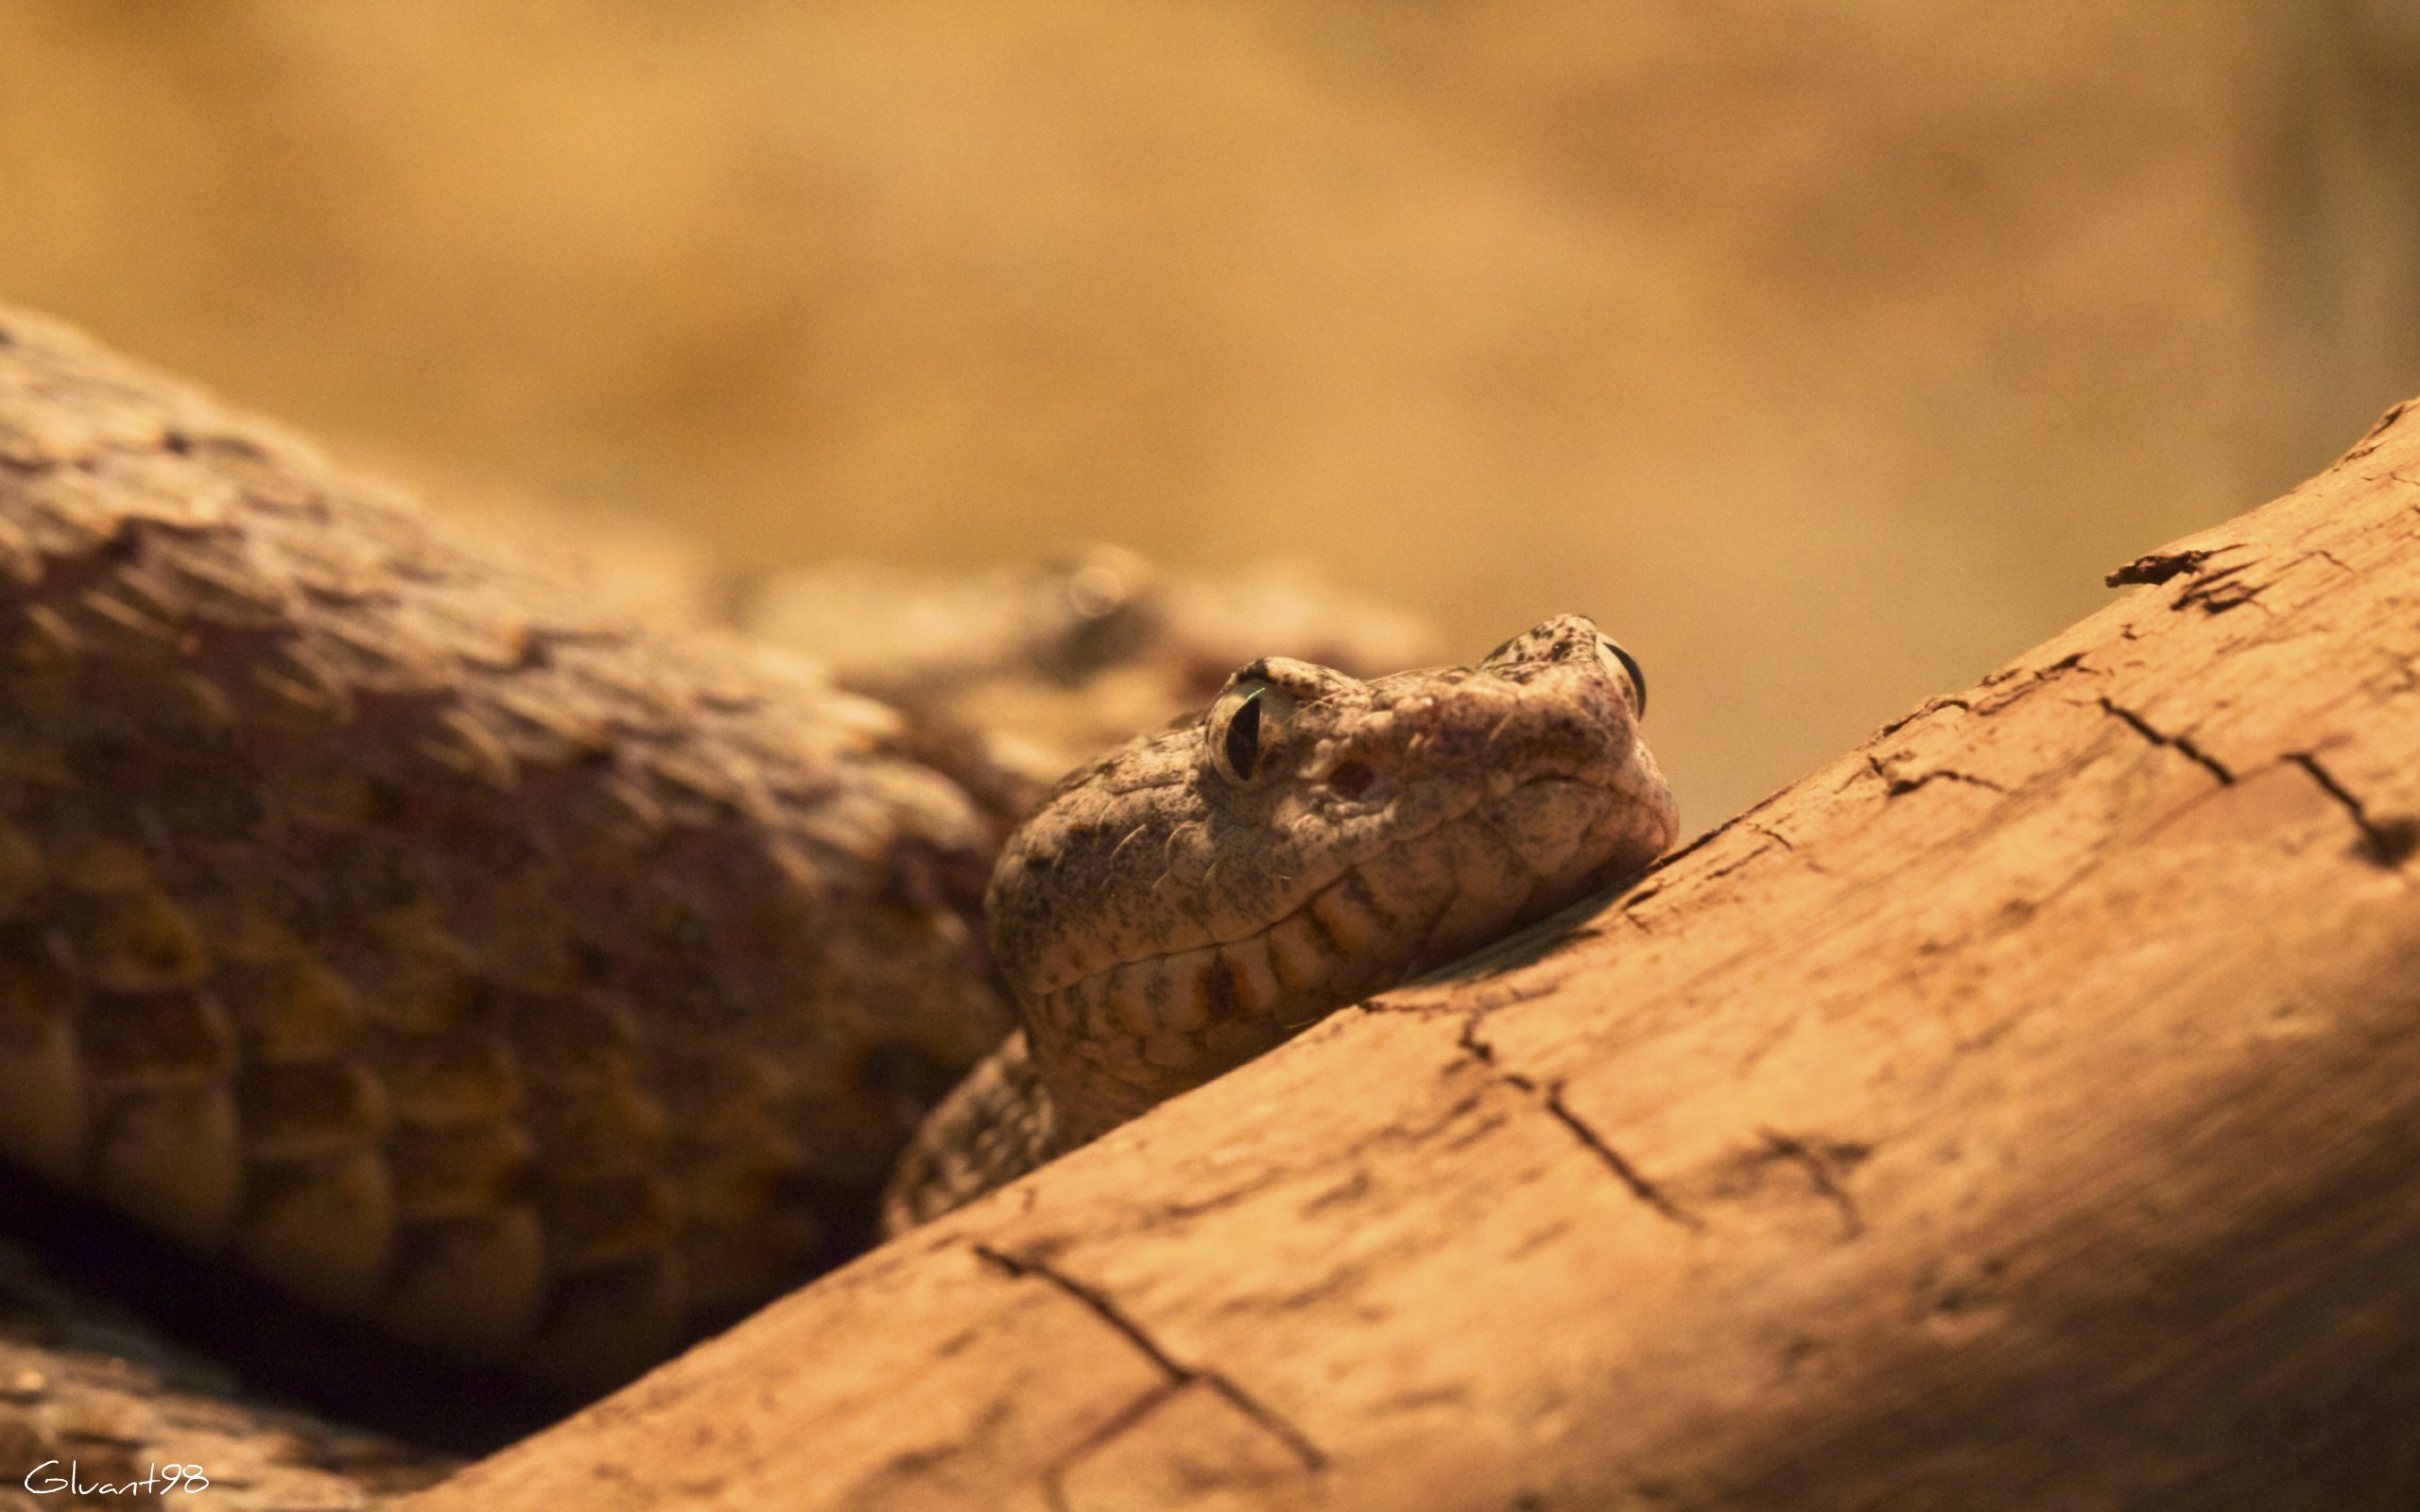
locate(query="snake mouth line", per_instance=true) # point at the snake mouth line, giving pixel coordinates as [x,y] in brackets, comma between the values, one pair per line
[1349,876]
[1156,941]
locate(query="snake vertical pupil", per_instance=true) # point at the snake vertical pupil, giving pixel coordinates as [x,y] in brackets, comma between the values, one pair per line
[1242,741]
[1637,676]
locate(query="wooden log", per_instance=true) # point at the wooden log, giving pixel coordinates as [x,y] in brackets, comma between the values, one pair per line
[2022,1110]
[2019,1111]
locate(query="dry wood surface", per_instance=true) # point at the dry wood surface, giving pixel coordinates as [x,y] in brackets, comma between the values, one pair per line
[2022,1110]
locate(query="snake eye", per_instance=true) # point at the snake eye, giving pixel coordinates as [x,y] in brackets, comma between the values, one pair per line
[1630,669]
[1241,726]
[1241,744]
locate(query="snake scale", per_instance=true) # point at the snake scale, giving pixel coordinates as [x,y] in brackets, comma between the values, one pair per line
[380,918]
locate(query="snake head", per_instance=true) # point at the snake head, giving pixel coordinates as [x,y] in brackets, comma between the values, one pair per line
[1312,838]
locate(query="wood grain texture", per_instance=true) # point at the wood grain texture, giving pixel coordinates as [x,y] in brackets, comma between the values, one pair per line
[2021,1110]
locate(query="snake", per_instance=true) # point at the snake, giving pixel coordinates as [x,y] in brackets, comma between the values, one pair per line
[1195,897]
[381,919]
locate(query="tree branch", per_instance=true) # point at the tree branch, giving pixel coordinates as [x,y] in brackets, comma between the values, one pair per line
[2046,1137]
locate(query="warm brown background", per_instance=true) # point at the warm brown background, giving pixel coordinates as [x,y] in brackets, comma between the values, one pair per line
[1827,352]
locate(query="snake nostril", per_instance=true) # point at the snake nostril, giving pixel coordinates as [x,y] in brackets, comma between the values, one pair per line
[1351,779]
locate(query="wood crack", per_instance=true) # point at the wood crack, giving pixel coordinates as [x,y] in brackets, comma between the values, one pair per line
[1895,783]
[2384,842]
[1819,1162]
[1179,1374]
[1551,1097]
[2182,744]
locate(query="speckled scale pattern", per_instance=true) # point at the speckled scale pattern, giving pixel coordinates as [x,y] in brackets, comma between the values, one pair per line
[371,914]
[1164,917]
[997,1124]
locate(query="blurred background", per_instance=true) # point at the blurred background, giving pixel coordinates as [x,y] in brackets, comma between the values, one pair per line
[1827,352]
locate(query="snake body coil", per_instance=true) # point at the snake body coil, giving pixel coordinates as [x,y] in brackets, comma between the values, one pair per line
[375,918]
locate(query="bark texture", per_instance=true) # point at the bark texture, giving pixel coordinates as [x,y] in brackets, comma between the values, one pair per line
[2022,1110]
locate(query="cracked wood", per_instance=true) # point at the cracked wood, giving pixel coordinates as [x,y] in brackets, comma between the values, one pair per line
[2045,1136]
